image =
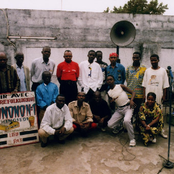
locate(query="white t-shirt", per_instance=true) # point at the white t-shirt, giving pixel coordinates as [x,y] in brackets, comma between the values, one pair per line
[155,81]
[90,76]
[119,95]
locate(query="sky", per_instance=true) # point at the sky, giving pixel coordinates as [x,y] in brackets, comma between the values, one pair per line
[74,5]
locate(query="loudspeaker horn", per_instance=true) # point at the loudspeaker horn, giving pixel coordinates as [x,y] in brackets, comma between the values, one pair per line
[123,33]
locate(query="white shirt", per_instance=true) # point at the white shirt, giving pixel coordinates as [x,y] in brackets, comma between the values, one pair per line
[54,118]
[155,81]
[119,95]
[90,76]
[38,66]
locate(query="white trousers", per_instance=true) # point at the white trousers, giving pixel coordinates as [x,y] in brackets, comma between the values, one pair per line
[124,113]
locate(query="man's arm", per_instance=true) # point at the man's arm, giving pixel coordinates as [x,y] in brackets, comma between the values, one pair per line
[125,88]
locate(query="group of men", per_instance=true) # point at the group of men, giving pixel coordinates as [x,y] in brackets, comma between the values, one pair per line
[60,113]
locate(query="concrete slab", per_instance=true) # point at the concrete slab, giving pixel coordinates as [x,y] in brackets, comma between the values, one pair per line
[100,153]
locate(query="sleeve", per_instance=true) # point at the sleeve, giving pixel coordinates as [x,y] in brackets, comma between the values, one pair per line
[100,77]
[68,119]
[32,70]
[144,79]
[56,93]
[46,122]
[39,98]
[127,74]
[16,81]
[124,75]
[166,80]
[80,81]
[58,72]
[89,115]
[77,75]
[141,114]
[71,111]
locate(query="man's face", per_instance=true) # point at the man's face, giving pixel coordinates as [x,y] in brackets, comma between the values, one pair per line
[136,58]
[91,57]
[68,57]
[154,62]
[60,101]
[99,57]
[19,59]
[81,97]
[110,80]
[97,97]
[46,78]
[46,53]
[113,59]
[3,60]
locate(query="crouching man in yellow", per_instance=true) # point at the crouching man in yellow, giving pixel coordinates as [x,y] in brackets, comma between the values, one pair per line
[57,121]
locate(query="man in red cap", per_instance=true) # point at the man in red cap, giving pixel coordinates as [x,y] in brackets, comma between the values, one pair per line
[115,69]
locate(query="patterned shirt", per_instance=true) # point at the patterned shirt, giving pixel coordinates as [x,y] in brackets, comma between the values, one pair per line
[134,80]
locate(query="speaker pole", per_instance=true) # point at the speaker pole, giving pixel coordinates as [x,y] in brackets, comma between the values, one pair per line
[167,163]
[118,60]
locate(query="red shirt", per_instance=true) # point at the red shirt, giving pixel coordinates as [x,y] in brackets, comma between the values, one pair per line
[68,71]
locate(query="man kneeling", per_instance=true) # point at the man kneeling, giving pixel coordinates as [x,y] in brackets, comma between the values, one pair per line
[81,114]
[57,121]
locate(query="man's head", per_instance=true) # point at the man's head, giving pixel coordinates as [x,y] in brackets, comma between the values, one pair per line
[136,58]
[113,58]
[110,80]
[91,56]
[46,52]
[99,56]
[97,96]
[80,97]
[3,60]
[60,101]
[19,58]
[46,77]
[154,59]
[68,56]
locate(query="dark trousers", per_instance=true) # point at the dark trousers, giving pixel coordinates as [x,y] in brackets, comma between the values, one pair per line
[34,86]
[69,89]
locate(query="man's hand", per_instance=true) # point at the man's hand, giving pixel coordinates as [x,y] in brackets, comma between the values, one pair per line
[132,104]
[60,131]
[97,118]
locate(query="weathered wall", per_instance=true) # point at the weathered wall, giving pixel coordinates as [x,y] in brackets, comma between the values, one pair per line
[81,31]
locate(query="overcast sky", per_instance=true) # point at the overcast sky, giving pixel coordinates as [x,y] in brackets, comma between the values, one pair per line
[74,5]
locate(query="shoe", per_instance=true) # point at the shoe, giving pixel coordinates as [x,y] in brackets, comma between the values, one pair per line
[162,134]
[154,140]
[117,129]
[43,144]
[132,143]
[103,129]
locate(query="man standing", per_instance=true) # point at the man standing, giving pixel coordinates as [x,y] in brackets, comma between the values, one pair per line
[134,78]
[125,107]
[156,80]
[116,69]
[57,121]
[23,72]
[103,65]
[9,80]
[46,93]
[81,114]
[67,75]
[100,110]
[40,65]
[91,77]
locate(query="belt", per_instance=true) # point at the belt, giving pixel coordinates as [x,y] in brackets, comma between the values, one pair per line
[124,105]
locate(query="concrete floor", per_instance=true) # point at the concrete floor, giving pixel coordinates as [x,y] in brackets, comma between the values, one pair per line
[100,153]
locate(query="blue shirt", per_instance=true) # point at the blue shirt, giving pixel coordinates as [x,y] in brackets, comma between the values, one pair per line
[46,94]
[118,72]
[21,75]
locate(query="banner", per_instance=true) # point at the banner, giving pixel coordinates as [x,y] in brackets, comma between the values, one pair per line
[18,119]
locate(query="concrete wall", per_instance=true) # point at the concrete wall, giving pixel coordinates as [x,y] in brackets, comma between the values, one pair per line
[82,31]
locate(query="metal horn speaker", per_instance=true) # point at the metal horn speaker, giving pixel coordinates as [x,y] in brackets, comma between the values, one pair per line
[123,33]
